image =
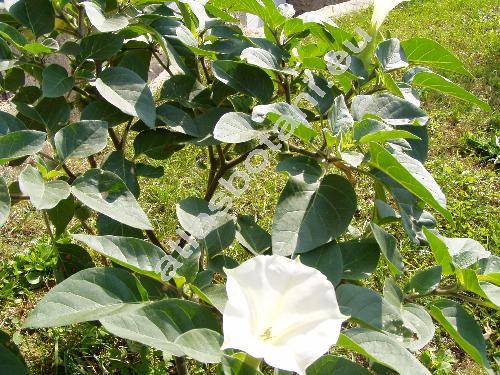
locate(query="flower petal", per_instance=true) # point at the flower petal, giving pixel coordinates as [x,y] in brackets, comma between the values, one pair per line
[381,9]
[281,310]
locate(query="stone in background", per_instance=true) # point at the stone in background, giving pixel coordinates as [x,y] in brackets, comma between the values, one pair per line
[302,6]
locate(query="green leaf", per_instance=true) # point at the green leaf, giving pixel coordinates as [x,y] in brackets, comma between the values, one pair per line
[184,89]
[327,259]
[251,236]
[321,92]
[389,249]
[245,78]
[370,130]
[339,116]
[14,79]
[441,84]
[237,127]
[103,111]
[61,215]
[391,109]
[38,15]
[158,144]
[365,306]
[4,201]
[265,59]
[238,365]
[159,324]
[106,193]
[135,254]
[11,361]
[390,55]
[20,143]
[411,174]
[9,123]
[55,81]
[128,92]
[178,120]
[214,295]
[310,212]
[469,280]
[100,22]
[215,228]
[329,364]
[100,46]
[43,195]
[266,9]
[424,281]
[381,348]
[11,34]
[454,252]
[428,52]
[115,162]
[489,269]
[203,345]
[89,295]
[420,322]
[359,258]
[81,139]
[462,327]
[109,227]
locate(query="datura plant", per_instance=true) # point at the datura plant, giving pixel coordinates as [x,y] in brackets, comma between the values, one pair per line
[337,113]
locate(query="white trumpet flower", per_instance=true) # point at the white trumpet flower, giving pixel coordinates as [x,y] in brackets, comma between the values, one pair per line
[282,311]
[381,9]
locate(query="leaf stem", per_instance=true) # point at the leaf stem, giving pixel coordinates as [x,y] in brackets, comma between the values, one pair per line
[47,225]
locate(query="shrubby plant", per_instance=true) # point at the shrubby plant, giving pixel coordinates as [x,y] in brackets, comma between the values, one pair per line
[336,109]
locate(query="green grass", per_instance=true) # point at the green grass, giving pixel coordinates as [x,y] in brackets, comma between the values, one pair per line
[469,28]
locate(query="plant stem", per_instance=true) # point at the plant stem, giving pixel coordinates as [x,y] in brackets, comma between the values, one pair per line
[114,138]
[68,172]
[123,141]
[165,66]
[180,364]
[92,161]
[155,240]
[47,225]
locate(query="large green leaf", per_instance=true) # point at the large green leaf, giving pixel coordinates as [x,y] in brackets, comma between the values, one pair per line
[100,46]
[392,109]
[9,123]
[428,52]
[237,127]
[215,228]
[462,327]
[38,15]
[11,361]
[370,308]
[411,174]
[158,144]
[311,211]
[390,55]
[4,201]
[43,195]
[433,81]
[327,259]
[138,255]
[359,258]
[251,236]
[117,163]
[20,143]
[370,130]
[420,322]
[102,110]
[245,78]
[424,281]
[238,364]
[128,92]
[455,252]
[100,22]
[161,323]
[202,344]
[12,34]
[489,269]
[388,246]
[266,9]
[382,349]
[106,193]
[339,116]
[265,59]
[469,280]
[55,81]
[81,139]
[88,295]
[329,364]
[178,120]
[61,215]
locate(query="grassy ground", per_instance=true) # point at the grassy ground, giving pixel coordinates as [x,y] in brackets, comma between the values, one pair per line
[469,28]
